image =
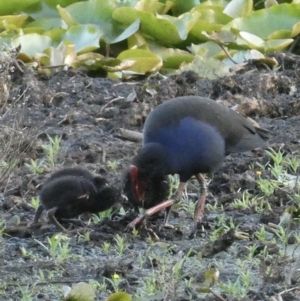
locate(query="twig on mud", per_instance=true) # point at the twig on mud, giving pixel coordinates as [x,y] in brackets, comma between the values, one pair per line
[48,282]
[216,295]
[110,102]
[289,290]
[129,135]
[103,156]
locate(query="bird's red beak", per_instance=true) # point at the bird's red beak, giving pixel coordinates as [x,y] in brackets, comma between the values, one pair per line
[137,186]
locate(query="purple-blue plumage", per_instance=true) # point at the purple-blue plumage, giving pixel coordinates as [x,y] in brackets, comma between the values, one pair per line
[190,147]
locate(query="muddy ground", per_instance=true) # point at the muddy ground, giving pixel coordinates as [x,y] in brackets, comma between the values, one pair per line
[87,113]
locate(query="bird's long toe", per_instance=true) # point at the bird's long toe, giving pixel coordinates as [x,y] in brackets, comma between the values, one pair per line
[135,222]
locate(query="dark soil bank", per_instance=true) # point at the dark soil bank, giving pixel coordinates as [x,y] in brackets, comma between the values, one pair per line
[88,113]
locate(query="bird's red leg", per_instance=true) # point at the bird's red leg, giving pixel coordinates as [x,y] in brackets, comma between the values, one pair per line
[164,205]
[199,209]
[149,212]
[169,209]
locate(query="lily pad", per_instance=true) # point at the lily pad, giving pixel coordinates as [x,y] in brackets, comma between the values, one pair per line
[119,296]
[12,22]
[153,6]
[211,19]
[41,10]
[239,8]
[145,60]
[206,67]
[81,292]
[181,7]
[172,57]
[99,13]
[211,49]
[256,42]
[265,22]
[64,54]
[14,6]
[167,30]
[31,44]
[85,37]
[48,23]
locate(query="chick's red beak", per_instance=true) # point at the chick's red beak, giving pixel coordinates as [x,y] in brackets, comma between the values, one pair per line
[137,185]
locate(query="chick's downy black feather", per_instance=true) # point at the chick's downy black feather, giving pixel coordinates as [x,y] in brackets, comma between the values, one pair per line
[72,191]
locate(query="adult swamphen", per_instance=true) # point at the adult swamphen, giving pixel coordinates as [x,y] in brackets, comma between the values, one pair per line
[72,191]
[188,136]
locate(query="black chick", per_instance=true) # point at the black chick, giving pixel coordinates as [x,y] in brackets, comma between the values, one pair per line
[72,191]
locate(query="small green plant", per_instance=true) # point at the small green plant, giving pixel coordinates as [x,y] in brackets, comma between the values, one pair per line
[277,171]
[261,234]
[262,206]
[106,247]
[58,247]
[3,165]
[150,241]
[135,232]
[186,205]
[246,278]
[293,163]
[26,293]
[178,267]
[221,226]
[52,150]
[188,282]
[8,166]
[231,224]
[42,277]
[115,282]
[35,202]
[174,183]
[244,202]
[277,157]
[234,289]
[267,186]
[214,207]
[281,233]
[86,236]
[35,166]
[97,218]
[252,249]
[140,260]
[24,252]
[27,254]
[2,227]
[150,285]
[217,263]
[121,244]
[101,287]
[113,164]
[265,253]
